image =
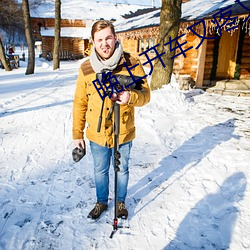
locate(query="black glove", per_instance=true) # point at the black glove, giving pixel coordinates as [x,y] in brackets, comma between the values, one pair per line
[78,153]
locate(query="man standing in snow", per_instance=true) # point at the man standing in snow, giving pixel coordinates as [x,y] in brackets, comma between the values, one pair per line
[107,54]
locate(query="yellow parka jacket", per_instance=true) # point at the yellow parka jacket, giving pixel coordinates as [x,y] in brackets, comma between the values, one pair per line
[87,105]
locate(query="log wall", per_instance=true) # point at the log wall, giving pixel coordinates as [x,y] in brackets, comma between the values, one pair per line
[187,65]
[209,59]
[74,45]
[245,61]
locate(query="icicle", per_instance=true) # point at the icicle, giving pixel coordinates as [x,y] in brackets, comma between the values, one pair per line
[243,26]
[210,29]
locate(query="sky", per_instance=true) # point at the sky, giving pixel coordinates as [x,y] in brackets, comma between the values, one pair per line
[189,169]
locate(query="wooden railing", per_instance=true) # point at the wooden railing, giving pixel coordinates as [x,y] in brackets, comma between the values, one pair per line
[64,55]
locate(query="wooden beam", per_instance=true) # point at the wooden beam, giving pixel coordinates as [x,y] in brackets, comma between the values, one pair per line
[201,64]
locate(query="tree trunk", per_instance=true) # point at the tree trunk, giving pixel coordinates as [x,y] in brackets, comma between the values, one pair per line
[3,57]
[56,59]
[28,33]
[169,27]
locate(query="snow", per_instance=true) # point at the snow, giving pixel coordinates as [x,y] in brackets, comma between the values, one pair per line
[196,9]
[86,10]
[145,20]
[189,169]
[156,3]
[192,10]
[84,33]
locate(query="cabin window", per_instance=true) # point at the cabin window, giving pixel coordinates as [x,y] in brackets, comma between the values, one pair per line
[152,44]
[148,44]
[145,44]
[140,45]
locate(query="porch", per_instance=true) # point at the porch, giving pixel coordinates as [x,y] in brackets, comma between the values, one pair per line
[231,87]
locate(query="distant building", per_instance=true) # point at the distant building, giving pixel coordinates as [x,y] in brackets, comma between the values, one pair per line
[77,19]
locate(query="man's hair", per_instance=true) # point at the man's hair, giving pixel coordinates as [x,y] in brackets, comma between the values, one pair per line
[100,25]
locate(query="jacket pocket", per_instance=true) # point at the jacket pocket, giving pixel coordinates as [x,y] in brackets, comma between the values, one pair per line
[126,119]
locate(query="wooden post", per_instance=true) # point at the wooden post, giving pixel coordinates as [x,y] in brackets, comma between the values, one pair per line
[201,64]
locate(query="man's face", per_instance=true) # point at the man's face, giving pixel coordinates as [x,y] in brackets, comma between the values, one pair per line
[104,42]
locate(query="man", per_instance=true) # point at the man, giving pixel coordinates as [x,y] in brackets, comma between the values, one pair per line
[107,54]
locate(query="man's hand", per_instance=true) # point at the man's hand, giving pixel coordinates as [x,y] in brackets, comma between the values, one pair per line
[123,97]
[79,143]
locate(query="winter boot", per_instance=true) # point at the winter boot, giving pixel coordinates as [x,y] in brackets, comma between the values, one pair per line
[97,210]
[122,211]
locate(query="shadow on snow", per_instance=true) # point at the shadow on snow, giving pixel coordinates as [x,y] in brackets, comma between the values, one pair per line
[209,225]
[190,153]
[23,110]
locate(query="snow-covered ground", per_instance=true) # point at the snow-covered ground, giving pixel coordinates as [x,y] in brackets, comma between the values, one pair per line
[189,170]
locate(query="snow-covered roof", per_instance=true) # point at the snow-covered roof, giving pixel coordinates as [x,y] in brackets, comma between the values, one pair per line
[145,20]
[79,32]
[85,10]
[197,9]
[192,10]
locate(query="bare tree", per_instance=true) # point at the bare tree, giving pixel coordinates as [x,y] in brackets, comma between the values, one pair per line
[3,57]
[56,59]
[11,23]
[28,33]
[11,16]
[169,27]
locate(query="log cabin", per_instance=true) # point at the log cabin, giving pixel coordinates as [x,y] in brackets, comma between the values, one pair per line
[77,17]
[74,41]
[227,56]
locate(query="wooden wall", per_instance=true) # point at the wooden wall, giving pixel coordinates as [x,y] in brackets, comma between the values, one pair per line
[135,47]
[187,65]
[47,45]
[130,46]
[211,44]
[50,22]
[245,61]
[73,45]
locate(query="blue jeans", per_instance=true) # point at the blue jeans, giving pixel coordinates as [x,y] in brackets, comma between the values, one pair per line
[102,157]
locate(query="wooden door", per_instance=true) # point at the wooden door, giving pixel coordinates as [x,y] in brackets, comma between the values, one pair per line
[227,55]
